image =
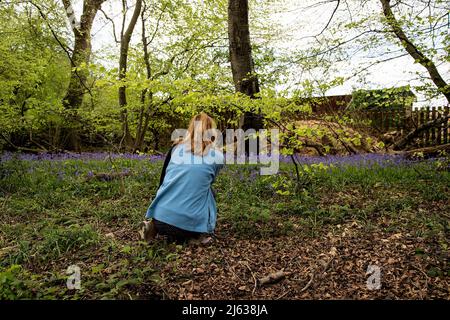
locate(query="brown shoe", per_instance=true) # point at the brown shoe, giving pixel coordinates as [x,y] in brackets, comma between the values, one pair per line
[147,231]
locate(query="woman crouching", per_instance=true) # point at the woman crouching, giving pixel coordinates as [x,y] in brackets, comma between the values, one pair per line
[184,207]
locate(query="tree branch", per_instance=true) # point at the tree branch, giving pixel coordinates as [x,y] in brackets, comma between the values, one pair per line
[112,22]
[413,51]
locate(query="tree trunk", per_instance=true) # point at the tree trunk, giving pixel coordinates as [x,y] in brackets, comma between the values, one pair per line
[242,67]
[123,60]
[414,52]
[144,114]
[78,86]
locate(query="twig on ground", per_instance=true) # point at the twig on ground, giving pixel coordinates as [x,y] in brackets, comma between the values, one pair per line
[273,277]
[229,266]
[325,265]
[284,294]
[309,283]
[253,275]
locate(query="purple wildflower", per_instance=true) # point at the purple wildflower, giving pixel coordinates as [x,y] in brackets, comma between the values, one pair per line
[7,156]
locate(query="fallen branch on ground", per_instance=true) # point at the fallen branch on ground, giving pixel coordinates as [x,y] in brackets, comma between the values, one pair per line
[273,277]
[428,151]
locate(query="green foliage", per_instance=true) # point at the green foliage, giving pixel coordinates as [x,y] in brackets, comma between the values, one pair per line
[32,77]
[397,98]
[11,287]
[187,60]
[59,241]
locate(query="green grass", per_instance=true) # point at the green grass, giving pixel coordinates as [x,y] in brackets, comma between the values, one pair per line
[54,216]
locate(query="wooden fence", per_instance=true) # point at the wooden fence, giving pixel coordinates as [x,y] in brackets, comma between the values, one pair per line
[407,120]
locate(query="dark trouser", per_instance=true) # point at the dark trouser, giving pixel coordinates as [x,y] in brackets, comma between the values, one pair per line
[174,234]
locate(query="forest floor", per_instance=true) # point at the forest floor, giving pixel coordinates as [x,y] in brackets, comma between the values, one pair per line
[349,217]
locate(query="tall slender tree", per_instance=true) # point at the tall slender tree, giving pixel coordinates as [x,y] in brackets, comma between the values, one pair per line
[123,63]
[81,55]
[244,77]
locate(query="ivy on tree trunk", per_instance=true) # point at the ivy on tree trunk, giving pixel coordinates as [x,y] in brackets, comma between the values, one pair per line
[80,59]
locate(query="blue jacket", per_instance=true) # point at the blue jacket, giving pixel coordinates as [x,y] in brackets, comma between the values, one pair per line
[185,198]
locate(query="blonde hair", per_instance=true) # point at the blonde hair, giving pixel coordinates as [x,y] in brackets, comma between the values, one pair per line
[194,138]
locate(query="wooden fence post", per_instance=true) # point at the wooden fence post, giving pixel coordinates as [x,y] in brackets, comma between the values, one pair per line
[427,132]
[388,120]
[379,121]
[419,123]
[446,112]
[439,128]
[433,129]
